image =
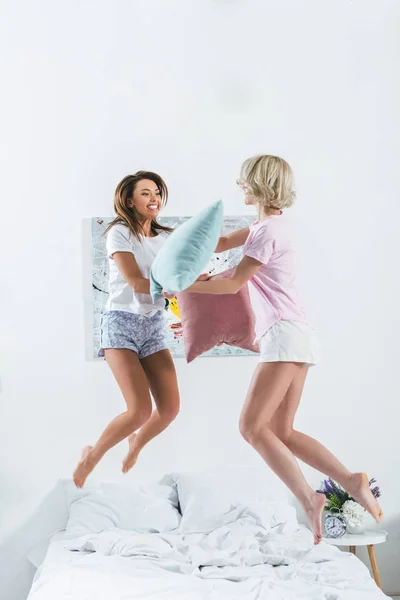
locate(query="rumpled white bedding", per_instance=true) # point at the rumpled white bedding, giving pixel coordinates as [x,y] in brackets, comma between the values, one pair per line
[241,559]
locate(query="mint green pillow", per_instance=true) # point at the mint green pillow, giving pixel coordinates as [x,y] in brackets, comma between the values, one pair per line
[186,252]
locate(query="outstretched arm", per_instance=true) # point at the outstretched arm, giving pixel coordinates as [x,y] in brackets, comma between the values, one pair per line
[245,270]
[232,240]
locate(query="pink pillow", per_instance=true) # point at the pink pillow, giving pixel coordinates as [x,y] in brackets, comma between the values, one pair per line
[210,320]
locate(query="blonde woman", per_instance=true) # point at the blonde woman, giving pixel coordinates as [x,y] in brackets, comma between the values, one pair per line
[133,328]
[288,344]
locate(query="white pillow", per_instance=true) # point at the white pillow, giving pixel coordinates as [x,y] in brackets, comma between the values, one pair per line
[206,496]
[106,505]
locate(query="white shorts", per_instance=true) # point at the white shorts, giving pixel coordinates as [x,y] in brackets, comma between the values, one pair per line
[290,341]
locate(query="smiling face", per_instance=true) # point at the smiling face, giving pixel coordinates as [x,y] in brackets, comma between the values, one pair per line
[146,199]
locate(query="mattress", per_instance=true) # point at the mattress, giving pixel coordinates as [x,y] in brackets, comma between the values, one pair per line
[238,561]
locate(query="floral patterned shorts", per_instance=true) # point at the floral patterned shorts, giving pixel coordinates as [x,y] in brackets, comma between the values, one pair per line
[141,334]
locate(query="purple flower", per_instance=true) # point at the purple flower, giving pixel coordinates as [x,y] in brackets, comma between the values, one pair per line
[338,496]
[376,492]
[327,488]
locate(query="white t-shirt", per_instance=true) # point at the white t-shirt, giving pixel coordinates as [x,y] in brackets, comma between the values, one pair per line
[121,295]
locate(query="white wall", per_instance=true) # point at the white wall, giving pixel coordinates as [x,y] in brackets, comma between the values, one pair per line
[94,90]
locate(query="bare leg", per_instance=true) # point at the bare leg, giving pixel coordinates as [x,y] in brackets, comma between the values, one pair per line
[314,453]
[160,372]
[268,388]
[303,446]
[134,386]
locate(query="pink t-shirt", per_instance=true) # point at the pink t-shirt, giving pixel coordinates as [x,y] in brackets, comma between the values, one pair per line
[274,292]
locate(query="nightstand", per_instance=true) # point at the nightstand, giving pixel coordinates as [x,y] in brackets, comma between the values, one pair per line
[369,538]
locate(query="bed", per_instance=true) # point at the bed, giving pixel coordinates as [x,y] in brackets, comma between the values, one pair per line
[227,541]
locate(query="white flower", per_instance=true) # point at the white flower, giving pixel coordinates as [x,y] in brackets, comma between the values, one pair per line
[354,513]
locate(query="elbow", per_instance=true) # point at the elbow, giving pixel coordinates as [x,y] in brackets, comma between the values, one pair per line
[221,245]
[136,285]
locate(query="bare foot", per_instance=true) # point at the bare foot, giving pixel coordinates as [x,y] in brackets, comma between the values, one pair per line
[314,515]
[131,458]
[85,466]
[359,489]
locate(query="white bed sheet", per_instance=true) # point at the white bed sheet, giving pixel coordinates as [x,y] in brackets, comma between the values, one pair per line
[245,562]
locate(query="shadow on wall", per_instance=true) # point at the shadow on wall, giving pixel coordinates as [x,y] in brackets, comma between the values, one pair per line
[25,549]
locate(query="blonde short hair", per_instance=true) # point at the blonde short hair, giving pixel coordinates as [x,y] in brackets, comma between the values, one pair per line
[269,179]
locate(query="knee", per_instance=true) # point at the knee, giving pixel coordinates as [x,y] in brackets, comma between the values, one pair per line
[169,413]
[250,430]
[285,435]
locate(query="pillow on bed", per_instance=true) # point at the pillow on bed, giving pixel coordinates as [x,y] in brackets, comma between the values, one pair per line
[211,499]
[186,252]
[211,320]
[105,505]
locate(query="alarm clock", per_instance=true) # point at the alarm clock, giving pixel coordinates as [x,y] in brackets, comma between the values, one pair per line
[334,525]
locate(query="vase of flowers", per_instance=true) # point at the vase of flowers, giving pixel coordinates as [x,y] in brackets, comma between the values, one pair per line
[339,501]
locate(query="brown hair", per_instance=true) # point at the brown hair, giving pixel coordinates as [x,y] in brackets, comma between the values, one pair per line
[126,215]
